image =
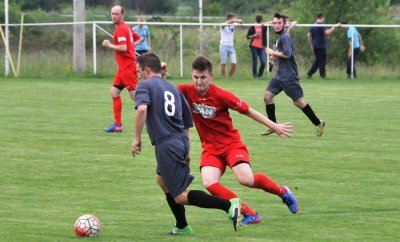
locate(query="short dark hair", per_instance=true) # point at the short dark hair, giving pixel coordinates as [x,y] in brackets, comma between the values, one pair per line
[202,64]
[258,18]
[320,15]
[230,15]
[280,16]
[149,60]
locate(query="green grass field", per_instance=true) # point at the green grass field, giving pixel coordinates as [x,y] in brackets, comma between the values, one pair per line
[57,164]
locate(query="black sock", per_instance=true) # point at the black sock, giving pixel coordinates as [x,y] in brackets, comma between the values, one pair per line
[203,200]
[307,110]
[270,108]
[178,210]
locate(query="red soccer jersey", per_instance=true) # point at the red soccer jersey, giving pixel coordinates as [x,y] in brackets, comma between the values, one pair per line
[211,117]
[123,34]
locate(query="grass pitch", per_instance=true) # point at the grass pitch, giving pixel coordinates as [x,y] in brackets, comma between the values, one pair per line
[57,164]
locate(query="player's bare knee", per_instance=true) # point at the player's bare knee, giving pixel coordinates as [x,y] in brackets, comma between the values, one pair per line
[267,98]
[207,183]
[181,199]
[114,93]
[300,103]
[246,181]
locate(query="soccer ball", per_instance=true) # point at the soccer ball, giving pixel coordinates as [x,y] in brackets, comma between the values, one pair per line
[87,226]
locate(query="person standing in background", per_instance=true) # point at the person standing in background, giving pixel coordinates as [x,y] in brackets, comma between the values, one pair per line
[317,38]
[258,41]
[125,77]
[143,31]
[226,46]
[289,24]
[355,47]
[164,70]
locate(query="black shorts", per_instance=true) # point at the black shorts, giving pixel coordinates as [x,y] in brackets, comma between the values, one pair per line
[292,88]
[171,164]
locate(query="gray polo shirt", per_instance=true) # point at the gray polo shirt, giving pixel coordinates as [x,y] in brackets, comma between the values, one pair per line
[168,113]
[287,68]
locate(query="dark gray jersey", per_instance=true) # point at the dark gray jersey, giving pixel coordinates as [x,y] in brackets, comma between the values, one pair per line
[168,113]
[287,68]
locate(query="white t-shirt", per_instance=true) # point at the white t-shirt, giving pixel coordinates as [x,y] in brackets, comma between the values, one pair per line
[227,33]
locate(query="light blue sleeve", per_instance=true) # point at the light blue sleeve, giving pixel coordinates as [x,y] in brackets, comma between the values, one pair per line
[353,33]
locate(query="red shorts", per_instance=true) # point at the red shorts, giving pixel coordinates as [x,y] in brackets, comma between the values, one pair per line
[126,78]
[229,158]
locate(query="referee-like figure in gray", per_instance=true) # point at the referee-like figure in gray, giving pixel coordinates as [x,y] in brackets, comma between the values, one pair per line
[287,77]
[164,110]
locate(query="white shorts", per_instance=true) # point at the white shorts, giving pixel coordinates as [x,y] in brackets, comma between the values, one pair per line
[226,51]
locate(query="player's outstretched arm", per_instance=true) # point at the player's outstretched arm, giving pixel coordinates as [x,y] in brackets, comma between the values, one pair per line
[285,129]
[141,115]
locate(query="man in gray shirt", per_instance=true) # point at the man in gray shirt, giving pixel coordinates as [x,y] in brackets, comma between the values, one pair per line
[287,77]
[164,110]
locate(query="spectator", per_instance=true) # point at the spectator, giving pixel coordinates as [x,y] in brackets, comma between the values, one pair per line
[355,47]
[289,24]
[226,47]
[258,41]
[164,70]
[143,31]
[317,38]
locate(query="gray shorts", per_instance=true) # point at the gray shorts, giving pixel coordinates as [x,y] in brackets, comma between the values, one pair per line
[291,88]
[226,51]
[171,165]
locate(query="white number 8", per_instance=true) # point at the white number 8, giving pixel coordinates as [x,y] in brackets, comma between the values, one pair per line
[169,104]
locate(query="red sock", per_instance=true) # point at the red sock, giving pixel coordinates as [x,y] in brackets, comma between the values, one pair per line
[247,210]
[220,191]
[117,108]
[262,181]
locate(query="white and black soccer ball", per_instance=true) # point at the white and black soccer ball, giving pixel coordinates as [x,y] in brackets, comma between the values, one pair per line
[87,226]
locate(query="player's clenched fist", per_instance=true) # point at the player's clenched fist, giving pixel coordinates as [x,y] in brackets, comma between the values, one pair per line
[106,43]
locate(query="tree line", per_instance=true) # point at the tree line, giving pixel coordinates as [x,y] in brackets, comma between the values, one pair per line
[380,43]
[210,7]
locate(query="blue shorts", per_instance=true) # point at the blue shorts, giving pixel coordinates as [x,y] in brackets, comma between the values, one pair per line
[291,88]
[171,164]
[226,51]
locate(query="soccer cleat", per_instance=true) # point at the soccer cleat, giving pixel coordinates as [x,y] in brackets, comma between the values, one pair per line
[267,132]
[234,212]
[290,200]
[320,128]
[250,219]
[113,128]
[185,231]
